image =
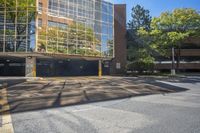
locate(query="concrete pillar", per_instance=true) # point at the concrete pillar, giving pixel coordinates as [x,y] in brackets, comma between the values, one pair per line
[30,66]
[100,69]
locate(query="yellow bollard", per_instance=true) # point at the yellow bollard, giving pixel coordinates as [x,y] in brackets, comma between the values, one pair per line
[100,69]
[34,69]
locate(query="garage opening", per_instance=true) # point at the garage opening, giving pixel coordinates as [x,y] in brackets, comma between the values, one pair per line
[12,66]
[68,67]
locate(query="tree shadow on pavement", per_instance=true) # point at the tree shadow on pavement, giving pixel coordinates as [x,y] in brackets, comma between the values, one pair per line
[11,82]
[37,95]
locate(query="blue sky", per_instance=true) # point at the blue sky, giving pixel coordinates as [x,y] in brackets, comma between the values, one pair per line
[158,6]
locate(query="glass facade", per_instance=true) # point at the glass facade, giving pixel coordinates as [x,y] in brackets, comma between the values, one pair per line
[17,25]
[72,27]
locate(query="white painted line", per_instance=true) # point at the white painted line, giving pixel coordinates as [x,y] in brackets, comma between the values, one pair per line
[7,126]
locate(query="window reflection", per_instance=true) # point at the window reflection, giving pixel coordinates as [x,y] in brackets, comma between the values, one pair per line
[15,25]
[76,27]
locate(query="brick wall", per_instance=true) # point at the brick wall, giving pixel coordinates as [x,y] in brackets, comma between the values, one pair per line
[118,64]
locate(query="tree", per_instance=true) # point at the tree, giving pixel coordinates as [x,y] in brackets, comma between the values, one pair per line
[74,39]
[139,51]
[19,14]
[140,18]
[170,29]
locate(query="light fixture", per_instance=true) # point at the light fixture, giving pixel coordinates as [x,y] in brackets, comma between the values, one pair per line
[29,57]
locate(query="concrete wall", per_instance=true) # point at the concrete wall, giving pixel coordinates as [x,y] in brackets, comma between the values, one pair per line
[183,66]
[30,67]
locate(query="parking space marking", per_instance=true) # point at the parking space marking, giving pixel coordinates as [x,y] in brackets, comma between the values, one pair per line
[7,126]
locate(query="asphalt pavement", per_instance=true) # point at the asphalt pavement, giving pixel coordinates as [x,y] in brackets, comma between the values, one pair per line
[168,106]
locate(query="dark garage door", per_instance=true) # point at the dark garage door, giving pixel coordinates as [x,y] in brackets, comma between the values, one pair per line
[11,66]
[67,67]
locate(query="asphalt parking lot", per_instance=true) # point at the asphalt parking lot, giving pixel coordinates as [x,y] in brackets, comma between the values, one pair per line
[112,104]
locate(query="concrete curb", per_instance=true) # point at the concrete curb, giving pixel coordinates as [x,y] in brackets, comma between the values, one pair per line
[34,79]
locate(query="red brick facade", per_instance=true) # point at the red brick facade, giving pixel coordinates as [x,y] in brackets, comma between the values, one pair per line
[118,65]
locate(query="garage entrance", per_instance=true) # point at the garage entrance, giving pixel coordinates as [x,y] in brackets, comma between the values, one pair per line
[68,67]
[12,66]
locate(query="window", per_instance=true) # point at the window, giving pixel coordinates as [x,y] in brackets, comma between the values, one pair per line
[52,24]
[39,22]
[110,9]
[91,32]
[57,24]
[104,29]
[40,7]
[104,17]
[105,7]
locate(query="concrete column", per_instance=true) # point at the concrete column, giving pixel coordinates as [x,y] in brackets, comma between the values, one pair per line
[100,69]
[30,66]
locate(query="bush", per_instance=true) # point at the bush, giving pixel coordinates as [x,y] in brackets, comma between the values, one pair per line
[143,65]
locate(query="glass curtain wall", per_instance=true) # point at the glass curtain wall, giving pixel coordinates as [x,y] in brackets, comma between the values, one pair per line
[17,25]
[76,27]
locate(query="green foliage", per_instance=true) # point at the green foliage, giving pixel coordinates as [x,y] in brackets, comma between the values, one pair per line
[147,38]
[19,14]
[170,29]
[141,62]
[140,18]
[139,50]
[68,37]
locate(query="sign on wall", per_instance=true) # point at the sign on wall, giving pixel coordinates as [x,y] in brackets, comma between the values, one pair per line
[118,66]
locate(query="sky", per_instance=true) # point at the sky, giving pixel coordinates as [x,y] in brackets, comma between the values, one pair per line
[156,7]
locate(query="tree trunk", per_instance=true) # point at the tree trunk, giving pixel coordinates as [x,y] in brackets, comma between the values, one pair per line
[178,58]
[173,71]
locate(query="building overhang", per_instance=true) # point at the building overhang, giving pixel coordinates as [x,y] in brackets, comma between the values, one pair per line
[53,56]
